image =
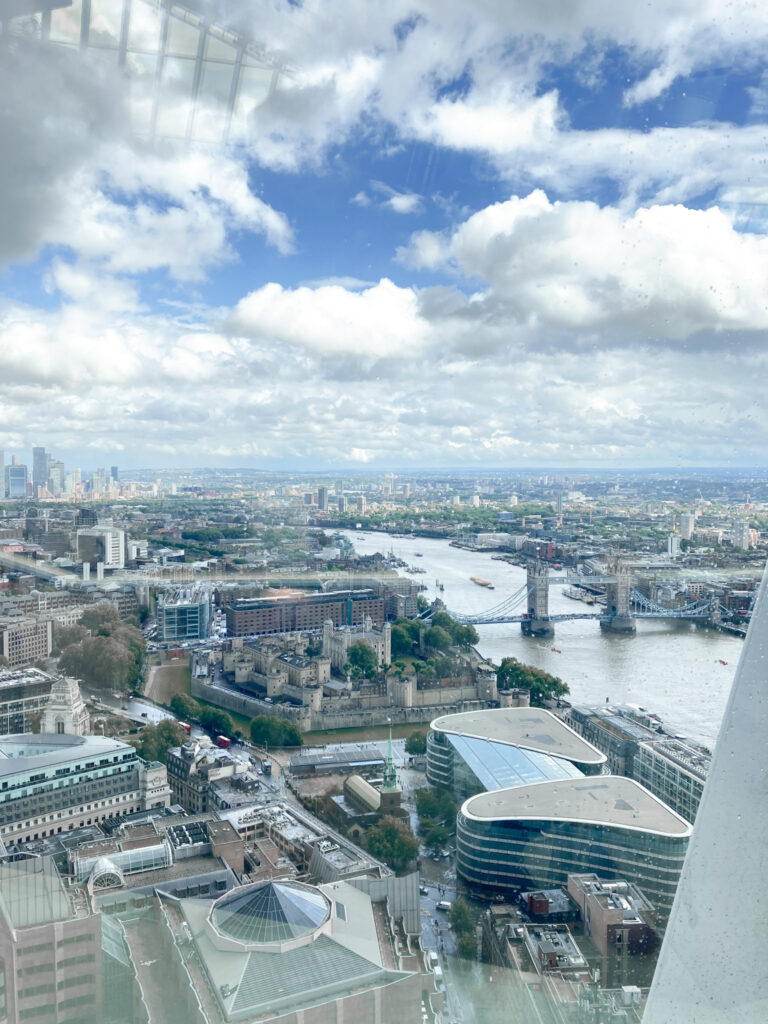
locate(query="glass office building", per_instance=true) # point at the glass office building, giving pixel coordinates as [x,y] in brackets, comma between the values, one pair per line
[536,835]
[478,751]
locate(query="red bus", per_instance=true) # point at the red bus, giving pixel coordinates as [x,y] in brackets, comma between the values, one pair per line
[186,726]
[223,741]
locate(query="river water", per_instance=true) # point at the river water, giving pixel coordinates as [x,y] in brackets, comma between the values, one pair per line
[670,668]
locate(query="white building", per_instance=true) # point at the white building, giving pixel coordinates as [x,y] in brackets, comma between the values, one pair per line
[102,543]
[65,713]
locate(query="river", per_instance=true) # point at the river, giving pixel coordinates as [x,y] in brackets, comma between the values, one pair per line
[671,668]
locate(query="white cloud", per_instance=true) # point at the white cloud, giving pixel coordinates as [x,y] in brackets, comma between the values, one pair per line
[665,271]
[379,322]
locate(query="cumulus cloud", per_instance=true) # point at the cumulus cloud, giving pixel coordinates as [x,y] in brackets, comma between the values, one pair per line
[664,270]
[378,322]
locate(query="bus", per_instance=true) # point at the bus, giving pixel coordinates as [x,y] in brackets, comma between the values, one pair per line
[186,727]
[224,742]
[267,767]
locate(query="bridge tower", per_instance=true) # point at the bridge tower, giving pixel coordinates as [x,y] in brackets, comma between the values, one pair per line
[538,622]
[618,618]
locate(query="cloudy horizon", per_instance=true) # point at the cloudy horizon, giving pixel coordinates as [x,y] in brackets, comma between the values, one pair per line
[525,235]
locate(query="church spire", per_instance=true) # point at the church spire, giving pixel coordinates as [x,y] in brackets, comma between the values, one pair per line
[391,783]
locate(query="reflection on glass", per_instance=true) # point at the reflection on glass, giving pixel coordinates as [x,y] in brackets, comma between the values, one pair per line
[216,82]
[217,49]
[183,39]
[253,88]
[106,23]
[144,28]
[65,24]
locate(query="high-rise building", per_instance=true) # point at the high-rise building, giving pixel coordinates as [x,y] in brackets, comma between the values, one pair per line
[2,473]
[687,525]
[342,503]
[39,468]
[15,481]
[114,474]
[322,498]
[103,543]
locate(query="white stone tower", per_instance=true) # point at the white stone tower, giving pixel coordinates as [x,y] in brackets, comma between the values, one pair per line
[66,712]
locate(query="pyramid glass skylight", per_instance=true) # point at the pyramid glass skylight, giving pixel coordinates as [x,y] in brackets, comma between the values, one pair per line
[272,912]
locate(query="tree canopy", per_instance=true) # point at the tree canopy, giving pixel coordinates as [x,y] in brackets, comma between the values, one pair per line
[215,721]
[416,743]
[156,740]
[274,732]
[104,652]
[185,707]
[542,686]
[392,841]
[363,658]
[461,636]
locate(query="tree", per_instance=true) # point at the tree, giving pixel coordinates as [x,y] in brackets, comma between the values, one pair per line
[436,805]
[363,657]
[216,721]
[460,916]
[100,616]
[401,641]
[437,638]
[184,706]
[542,686]
[435,836]
[416,743]
[156,740]
[422,604]
[66,635]
[393,842]
[274,732]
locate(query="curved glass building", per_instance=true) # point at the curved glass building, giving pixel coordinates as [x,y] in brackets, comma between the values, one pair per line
[478,751]
[536,835]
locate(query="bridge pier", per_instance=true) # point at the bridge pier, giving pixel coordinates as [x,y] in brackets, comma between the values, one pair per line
[618,619]
[618,624]
[537,622]
[537,627]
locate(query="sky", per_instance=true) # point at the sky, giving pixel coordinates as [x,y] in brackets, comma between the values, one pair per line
[500,234]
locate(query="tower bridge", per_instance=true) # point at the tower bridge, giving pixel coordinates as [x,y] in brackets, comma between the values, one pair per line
[624,604]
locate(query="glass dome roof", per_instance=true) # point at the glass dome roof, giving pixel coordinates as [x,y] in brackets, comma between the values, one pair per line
[270,912]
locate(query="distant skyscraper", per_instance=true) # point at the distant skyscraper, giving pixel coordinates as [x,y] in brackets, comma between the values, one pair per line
[342,503]
[114,473]
[2,473]
[39,468]
[687,525]
[16,481]
[322,498]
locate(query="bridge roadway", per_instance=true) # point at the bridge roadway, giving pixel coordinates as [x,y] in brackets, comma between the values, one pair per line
[701,615]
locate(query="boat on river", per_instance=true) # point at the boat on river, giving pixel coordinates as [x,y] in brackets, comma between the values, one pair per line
[481,582]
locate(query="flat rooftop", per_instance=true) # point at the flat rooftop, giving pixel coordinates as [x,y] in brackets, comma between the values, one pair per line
[529,728]
[28,751]
[599,800]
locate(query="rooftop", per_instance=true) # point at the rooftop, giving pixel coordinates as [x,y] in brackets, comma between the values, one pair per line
[270,912]
[528,728]
[600,800]
[28,751]
[31,893]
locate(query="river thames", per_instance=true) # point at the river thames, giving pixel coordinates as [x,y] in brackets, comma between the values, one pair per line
[671,668]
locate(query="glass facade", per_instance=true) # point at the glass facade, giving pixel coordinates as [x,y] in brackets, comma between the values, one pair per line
[506,855]
[469,764]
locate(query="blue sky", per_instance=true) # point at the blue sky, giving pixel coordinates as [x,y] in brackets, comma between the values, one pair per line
[522,234]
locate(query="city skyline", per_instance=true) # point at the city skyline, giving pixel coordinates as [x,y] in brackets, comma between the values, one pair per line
[438,238]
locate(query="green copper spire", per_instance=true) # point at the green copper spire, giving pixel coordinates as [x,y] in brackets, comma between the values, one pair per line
[391,784]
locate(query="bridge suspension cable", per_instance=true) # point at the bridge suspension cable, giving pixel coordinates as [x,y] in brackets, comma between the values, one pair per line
[493,614]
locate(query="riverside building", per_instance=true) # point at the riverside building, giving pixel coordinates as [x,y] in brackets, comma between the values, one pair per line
[536,835]
[478,751]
